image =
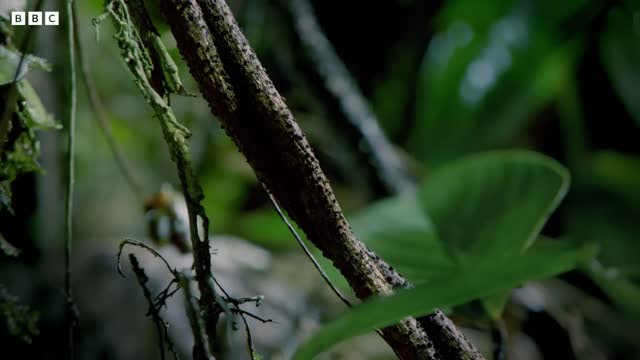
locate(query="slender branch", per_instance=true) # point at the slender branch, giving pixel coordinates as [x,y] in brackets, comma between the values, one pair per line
[142,245]
[201,349]
[307,252]
[71,315]
[338,81]
[312,258]
[135,52]
[255,116]
[101,116]
[154,309]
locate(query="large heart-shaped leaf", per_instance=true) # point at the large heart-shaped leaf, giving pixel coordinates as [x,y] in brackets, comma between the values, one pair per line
[397,230]
[492,204]
[465,284]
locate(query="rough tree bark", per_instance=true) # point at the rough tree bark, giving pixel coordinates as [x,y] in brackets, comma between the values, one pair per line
[256,117]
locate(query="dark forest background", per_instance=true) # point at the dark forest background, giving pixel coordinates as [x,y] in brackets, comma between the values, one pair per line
[445,80]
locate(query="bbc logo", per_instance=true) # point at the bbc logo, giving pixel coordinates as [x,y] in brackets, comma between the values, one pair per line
[35,18]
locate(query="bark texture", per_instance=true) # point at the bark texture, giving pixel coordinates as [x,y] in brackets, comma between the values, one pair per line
[256,117]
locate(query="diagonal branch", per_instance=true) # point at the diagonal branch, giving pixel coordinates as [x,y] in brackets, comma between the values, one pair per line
[255,116]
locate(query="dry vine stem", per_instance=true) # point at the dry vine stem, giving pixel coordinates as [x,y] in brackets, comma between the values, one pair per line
[255,116]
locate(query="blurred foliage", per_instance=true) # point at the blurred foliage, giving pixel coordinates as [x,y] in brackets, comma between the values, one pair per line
[19,147]
[479,216]
[19,319]
[494,105]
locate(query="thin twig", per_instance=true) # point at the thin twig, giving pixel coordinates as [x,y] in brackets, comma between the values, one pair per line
[154,309]
[253,316]
[237,310]
[252,349]
[256,117]
[313,259]
[200,346]
[155,253]
[71,127]
[101,116]
[306,250]
[136,53]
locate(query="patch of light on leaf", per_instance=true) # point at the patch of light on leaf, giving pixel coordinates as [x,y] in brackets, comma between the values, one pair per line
[495,59]
[443,45]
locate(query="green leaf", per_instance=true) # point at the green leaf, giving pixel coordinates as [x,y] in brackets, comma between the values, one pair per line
[611,220]
[10,61]
[623,293]
[468,283]
[620,52]
[604,214]
[398,231]
[494,304]
[617,172]
[482,79]
[493,204]
[265,227]
[31,110]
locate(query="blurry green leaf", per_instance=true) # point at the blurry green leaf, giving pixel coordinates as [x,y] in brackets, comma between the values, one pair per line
[623,293]
[225,192]
[620,51]
[617,172]
[494,304]
[480,85]
[607,212]
[468,283]
[493,204]
[483,207]
[31,110]
[611,220]
[19,319]
[392,94]
[477,14]
[22,149]
[265,227]
[10,61]
[397,230]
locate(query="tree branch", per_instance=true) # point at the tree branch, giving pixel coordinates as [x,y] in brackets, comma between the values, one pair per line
[135,52]
[255,116]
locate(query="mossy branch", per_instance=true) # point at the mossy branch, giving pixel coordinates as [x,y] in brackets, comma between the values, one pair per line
[137,55]
[255,116]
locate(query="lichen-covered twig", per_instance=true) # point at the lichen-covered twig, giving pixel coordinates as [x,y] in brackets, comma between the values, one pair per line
[338,81]
[142,245]
[201,349]
[136,54]
[70,308]
[101,116]
[154,309]
[306,251]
